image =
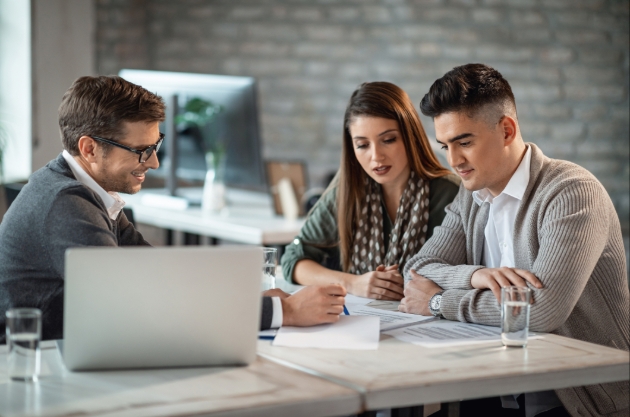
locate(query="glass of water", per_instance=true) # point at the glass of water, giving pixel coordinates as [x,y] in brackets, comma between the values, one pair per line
[24,331]
[515,302]
[270,261]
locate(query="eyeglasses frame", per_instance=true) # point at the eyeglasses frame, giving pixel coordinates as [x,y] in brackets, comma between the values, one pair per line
[139,152]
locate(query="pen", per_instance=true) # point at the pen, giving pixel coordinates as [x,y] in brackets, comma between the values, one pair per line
[345,310]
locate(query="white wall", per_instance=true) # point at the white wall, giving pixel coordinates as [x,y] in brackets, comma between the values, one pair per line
[63,50]
[15,86]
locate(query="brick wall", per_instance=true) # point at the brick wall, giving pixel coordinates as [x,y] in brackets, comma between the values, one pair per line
[567,61]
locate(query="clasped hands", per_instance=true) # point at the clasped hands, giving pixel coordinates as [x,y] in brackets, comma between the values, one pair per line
[419,290]
[385,283]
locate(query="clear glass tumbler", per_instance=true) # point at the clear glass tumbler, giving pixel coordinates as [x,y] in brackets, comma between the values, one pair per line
[515,302]
[24,332]
[270,262]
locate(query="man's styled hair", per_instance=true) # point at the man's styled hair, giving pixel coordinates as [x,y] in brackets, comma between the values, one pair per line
[475,89]
[99,106]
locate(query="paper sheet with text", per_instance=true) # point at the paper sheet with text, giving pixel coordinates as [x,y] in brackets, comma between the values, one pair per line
[443,333]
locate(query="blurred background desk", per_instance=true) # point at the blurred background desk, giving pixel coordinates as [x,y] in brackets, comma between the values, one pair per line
[248,218]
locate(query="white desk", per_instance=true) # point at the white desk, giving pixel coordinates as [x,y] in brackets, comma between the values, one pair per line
[400,374]
[249,219]
[261,389]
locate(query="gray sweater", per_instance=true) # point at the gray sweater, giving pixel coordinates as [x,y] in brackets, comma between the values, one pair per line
[52,213]
[567,233]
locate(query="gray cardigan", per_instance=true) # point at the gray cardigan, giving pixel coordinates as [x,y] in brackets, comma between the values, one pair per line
[568,234]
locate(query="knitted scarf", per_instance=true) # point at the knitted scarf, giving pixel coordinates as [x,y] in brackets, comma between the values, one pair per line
[407,236]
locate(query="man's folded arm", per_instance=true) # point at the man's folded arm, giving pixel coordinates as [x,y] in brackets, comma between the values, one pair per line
[571,240]
[443,258]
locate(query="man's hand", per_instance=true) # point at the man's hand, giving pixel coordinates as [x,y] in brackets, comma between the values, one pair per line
[313,305]
[496,278]
[386,283]
[418,292]
[276,292]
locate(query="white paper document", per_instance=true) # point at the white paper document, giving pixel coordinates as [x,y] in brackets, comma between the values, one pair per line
[389,320]
[443,333]
[353,299]
[350,332]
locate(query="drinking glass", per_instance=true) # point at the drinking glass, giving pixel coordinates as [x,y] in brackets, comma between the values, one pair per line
[270,261]
[24,332]
[515,302]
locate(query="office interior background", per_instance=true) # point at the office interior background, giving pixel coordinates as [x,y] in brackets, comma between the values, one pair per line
[567,61]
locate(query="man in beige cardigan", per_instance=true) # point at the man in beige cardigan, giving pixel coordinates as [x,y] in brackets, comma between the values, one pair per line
[520,218]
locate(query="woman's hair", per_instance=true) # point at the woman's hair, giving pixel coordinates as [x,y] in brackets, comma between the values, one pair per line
[388,101]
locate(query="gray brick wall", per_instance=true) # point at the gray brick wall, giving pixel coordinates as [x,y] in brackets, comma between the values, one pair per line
[567,61]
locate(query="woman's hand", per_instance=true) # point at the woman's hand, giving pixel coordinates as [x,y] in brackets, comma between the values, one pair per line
[386,283]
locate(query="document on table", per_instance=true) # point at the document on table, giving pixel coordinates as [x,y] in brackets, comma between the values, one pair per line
[353,299]
[384,305]
[350,332]
[389,320]
[443,333]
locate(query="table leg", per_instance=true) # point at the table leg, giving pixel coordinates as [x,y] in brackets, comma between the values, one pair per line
[416,411]
[450,409]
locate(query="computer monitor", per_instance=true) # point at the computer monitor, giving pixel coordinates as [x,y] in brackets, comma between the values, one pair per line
[236,123]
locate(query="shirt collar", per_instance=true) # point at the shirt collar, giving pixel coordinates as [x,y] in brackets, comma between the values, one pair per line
[515,187]
[113,202]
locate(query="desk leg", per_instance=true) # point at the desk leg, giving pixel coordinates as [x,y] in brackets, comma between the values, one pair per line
[450,409]
[417,411]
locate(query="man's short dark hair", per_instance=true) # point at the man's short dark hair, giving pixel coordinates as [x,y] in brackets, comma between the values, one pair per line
[471,88]
[99,106]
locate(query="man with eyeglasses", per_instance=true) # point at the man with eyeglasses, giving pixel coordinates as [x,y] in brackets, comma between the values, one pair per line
[109,130]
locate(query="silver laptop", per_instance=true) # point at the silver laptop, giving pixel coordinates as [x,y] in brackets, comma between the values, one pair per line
[161,307]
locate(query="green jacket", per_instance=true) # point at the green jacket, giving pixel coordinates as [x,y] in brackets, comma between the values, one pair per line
[318,240]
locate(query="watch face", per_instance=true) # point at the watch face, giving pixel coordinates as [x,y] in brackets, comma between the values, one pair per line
[435,302]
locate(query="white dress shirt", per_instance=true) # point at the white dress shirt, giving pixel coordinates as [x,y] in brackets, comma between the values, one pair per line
[276,319]
[113,202]
[498,248]
[498,251]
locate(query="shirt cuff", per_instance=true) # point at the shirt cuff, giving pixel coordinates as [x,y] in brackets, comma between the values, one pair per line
[276,319]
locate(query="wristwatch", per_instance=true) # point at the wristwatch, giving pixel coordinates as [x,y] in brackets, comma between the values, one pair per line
[434,304]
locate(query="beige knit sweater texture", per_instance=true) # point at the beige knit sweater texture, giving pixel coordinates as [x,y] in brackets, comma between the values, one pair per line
[567,233]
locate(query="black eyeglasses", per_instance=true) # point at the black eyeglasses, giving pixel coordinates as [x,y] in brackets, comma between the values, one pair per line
[144,154]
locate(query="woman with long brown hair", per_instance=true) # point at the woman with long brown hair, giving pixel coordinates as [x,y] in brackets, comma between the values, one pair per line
[389,194]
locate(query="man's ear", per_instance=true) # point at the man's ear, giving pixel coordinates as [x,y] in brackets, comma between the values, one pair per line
[509,129]
[87,148]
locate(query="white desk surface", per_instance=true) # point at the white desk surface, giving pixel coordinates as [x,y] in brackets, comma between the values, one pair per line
[400,374]
[249,218]
[261,389]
